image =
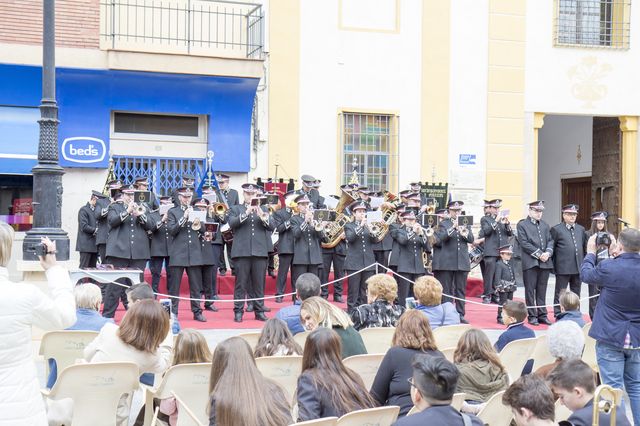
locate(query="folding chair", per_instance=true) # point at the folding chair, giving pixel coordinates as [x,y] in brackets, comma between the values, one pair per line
[495,412]
[325,421]
[515,355]
[448,353]
[377,340]
[301,338]
[448,336]
[381,416]
[541,355]
[365,365]
[284,370]
[186,416]
[589,352]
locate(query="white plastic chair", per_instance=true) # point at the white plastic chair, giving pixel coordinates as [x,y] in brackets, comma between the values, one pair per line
[448,353]
[325,421]
[448,336]
[301,338]
[365,365]
[377,340]
[515,355]
[495,412]
[589,352]
[251,338]
[541,355]
[154,420]
[190,381]
[186,416]
[381,416]
[65,346]
[284,370]
[96,390]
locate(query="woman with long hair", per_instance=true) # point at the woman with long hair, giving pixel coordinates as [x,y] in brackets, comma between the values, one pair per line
[326,387]
[276,340]
[317,312]
[239,394]
[412,336]
[603,251]
[481,372]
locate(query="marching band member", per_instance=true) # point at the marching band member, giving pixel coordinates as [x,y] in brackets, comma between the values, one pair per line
[605,244]
[231,198]
[282,222]
[451,263]
[504,280]
[412,242]
[101,211]
[250,251]
[185,252]
[209,262]
[496,232]
[307,234]
[217,244]
[160,243]
[308,189]
[141,183]
[127,244]
[359,255]
[87,230]
[536,242]
[395,247]
[188,180]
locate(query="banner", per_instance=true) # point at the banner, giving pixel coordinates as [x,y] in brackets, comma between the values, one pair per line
[439,191]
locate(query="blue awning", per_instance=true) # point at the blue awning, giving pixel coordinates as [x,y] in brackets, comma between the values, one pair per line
[19,133]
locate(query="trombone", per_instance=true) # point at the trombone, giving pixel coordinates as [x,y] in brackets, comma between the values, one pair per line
[606,400]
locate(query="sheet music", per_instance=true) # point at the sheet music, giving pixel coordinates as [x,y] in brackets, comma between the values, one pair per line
[199,214]
[376,202]
[211,198]
[330,202]
[165,208]
[374,216]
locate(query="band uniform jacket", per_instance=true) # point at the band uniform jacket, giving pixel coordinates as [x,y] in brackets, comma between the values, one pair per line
[314,197]
[128,237]
[87,229]
[411,246]
[185,249]
[395,247]
[101,211]
[306,246]
[568,248]
[160,238]
[208,258]
[495,233]
[359,247]
[282,222]
[451,250]
[534,238]
[250,236]
[231,195]
[504,279]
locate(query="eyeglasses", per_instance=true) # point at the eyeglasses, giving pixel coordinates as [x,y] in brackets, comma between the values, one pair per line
[410,380]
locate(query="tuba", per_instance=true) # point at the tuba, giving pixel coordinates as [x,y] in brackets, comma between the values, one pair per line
[333,231]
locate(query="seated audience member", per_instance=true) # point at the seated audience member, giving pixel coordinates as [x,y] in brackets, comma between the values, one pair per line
[432,387]
[428,292]
[143,291]
[531,401]
[412,337]
[88,299]
[326,387]
[574,383]
[307,285]
[570,308]
[276,340]
[380,310]
[239,394]
[513,315]
[316,312]
[481,372]
[566,341]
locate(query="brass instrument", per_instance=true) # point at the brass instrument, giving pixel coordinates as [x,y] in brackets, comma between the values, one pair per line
[333,230]
[606,400]
[464,232]
[219,208]
[429,232]
[196,225]
[140,209]
[389,215]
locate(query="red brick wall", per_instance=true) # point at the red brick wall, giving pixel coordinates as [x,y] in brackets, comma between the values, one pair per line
[77,22]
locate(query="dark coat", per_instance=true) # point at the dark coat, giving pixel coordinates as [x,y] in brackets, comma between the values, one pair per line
[395,247]
[185,249]
[128,237]
[534,239]
[87,230]
[495,234]
[161,238]
[438,415]
[306,246]
[411,247]
[282,222]
[618,310]
[504,279]
[249,233]
[584,417]
[568,248]
[314,198]
[313,402]
[451,250]
[359,247]
[101,211]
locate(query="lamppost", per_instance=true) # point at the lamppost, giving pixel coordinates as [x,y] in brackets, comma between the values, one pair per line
[47,174]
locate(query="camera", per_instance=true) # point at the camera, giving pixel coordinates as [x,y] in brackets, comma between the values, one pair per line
[166,304]
[603,239]
[38,249]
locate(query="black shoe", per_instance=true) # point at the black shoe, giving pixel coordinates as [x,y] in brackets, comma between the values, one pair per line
[249,307]
[486,300]
[210,308]
[237,317]
[271,274]
[222,272]
[499,321]
[260,316]
[338,299]
[215,297]
[463,320]
[278,299]
[544,321]
[199,317]
[265,309]
[534,322]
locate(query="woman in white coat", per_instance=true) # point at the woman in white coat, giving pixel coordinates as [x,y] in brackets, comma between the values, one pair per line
[21,307]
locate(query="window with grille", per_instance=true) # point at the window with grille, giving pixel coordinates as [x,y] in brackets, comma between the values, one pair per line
[593,23]
[369,143]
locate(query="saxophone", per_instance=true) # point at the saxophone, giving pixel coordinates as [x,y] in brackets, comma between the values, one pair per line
[333,230]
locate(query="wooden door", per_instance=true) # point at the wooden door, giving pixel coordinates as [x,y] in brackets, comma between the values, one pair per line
[578,191]
[605,176]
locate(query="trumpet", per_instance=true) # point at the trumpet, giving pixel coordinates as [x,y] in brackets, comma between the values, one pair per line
[140,209]
[196,225]
[464,232]
[219,209]
[429,232]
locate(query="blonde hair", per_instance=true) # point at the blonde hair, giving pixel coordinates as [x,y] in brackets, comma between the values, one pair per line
[569,300]
[428,291]
[191,347]
[6,242]
[325,314]
[383,286]
[88,296]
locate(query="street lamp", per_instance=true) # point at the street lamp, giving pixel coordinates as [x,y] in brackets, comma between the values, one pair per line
[47,174]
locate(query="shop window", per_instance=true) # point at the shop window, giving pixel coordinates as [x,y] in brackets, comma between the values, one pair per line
[16,195]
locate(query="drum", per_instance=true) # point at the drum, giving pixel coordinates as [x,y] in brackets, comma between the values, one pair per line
[475,256]
[227,233]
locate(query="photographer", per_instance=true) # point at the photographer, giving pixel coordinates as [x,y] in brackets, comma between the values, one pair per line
[605,242]
[616,323]
[24,306]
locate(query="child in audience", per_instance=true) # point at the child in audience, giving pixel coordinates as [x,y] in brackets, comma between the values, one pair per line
[513,314]
[504,281]
[570,308]
[573,382]
[276,340]
[531,401]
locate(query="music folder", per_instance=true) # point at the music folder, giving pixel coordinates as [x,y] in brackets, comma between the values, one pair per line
[324,215]
[140,197]
[465,220]
[211,227]
[429,220]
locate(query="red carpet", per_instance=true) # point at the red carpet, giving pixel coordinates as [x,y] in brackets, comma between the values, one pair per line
[481,316]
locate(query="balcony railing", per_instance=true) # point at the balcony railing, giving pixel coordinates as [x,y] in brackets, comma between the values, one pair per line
[195,27]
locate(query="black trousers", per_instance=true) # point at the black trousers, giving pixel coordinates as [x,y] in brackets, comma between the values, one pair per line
[284,264]
[250,279]
[194,274]
[535,291]
[357,289]
[155,265]
[561,283]
[207,282]
[405,288]
[453,283]
[88,260]
[113,292]
[504,296]
[102,252]
[217,249]
[593,290]
[488,273]
[297,270]
[338,272]
[382,257]
[271,262]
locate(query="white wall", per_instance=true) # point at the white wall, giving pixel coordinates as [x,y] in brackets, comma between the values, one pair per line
[558,142]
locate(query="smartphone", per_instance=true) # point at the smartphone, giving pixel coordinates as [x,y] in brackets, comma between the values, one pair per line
[166,304]
[410,302]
